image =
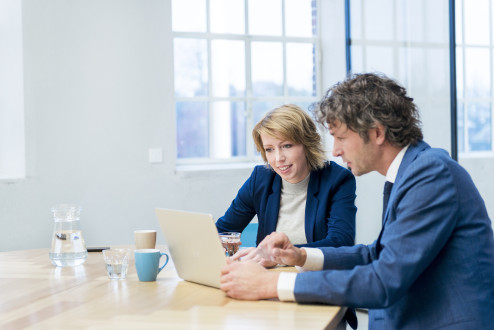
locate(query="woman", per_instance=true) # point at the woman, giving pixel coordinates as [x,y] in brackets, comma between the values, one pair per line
[298,192]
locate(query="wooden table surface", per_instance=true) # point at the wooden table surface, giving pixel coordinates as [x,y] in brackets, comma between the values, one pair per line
[37,295]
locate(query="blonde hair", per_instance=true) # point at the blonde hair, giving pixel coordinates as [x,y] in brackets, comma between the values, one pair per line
[291,123]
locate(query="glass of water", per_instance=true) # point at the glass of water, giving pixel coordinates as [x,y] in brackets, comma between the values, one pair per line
[117,262]
[231,242]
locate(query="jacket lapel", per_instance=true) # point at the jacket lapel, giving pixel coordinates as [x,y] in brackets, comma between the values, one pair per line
[408,158]
[311,205]
[273,206]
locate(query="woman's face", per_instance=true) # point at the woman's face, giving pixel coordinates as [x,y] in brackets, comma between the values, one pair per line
[286,158]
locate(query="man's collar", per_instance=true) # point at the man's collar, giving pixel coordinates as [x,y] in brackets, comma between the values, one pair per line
[395,166]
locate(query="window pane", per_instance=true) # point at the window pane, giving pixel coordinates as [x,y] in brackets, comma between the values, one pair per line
[187,20]
[300,19]
[239,129]
[381,28]
[476,25]
[300,69]
[477,68]
[411,21]
[265,17]
[436,25]
[192,129]
[191,73]
[228,129]
[357,58]
[228,68]
[267,69]
[259,109]
[430,74]
[403,64]
[479,127]
[307,107]
[459,72]
[379,59]
[356,20]
[460,120]
[458,22]
[227,16]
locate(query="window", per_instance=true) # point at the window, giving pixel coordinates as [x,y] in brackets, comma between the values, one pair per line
[403,39]
[408,41]
[12,145]
[234,60]
[474,68]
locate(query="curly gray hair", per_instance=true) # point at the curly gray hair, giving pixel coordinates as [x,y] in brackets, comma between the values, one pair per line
[363,100]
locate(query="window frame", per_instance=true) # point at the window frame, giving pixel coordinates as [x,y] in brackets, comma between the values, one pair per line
[12,122]
[459,45]
[251,154]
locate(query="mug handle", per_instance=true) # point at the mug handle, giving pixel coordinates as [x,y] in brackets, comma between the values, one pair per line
[166,255]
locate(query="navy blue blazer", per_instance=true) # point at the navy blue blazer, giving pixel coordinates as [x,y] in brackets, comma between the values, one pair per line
[329,212]
[433,264]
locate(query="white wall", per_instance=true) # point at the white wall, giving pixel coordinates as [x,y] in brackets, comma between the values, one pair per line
[98,95]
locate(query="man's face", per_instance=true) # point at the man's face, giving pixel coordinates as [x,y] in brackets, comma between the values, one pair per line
[360,157]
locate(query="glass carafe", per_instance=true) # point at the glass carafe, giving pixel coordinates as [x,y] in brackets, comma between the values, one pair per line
[67,244]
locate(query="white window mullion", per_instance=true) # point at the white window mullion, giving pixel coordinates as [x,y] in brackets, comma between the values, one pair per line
[364,37]
[211,141]
[248,86]
[491,54]
[12,129]
[466,145]
[283,34]
[395,47]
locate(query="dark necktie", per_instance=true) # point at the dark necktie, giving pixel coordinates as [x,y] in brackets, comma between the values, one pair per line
[387,190]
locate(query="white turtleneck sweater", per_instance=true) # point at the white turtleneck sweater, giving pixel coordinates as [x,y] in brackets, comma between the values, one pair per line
[291,218]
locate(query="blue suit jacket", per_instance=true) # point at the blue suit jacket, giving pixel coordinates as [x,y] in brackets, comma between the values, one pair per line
[433,265]
[329,211]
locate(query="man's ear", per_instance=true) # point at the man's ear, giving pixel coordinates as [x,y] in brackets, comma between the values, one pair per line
[380,133]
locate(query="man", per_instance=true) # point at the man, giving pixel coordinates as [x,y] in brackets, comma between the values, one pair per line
[432,265]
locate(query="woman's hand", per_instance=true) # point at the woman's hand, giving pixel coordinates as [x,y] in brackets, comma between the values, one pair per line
[277,248]
[252,254]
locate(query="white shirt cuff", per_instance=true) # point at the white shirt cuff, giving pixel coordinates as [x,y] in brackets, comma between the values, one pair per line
[286,286]
[286,281]
[314,261]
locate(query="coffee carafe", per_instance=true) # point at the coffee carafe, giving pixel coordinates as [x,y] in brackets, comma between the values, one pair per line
[67,244]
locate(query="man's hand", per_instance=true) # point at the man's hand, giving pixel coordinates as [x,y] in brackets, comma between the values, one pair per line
[277,248]
[248,280]
[253,254]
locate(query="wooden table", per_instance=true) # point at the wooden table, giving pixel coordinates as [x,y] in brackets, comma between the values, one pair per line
[35,294]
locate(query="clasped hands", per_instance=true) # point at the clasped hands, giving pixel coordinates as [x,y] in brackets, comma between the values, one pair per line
[249,279]
[275,249]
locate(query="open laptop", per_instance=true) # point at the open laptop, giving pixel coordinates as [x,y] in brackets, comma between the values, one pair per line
[194,245]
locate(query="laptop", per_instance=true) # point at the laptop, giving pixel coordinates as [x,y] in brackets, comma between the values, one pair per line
[194,245]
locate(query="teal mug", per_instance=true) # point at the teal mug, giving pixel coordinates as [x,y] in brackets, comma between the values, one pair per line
[147,264]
